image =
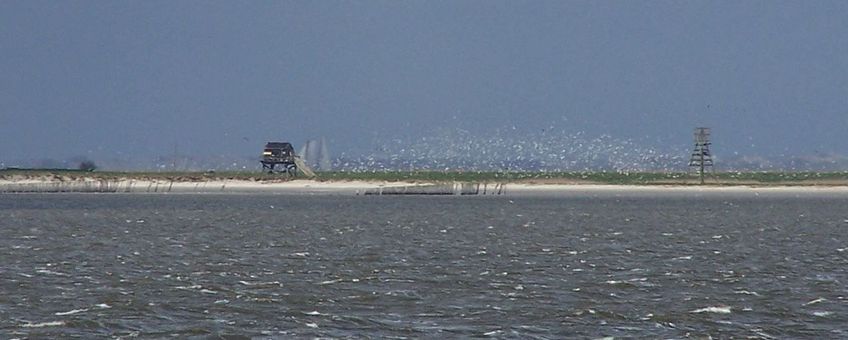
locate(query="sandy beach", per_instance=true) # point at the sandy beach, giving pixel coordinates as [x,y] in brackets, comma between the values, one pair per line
[209,186]
[673,190]
[306,186]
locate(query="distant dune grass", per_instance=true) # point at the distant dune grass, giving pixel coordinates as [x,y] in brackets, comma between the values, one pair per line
[581,177]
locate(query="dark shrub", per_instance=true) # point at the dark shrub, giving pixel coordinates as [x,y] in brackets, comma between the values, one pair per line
[87,166]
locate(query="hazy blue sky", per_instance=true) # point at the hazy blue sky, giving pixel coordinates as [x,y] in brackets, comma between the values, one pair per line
[97,77]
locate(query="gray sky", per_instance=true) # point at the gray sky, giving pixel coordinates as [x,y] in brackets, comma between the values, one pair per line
[98,77]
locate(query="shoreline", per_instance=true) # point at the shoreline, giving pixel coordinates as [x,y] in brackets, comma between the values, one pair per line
[363,187]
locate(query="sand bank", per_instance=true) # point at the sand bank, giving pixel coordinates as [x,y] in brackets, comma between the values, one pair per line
[210,186]
[36,185]
[673,190]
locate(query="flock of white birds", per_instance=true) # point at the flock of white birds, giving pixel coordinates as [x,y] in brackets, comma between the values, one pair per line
[552,150]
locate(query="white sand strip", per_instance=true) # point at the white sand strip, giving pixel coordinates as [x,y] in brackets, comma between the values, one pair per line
[360,187]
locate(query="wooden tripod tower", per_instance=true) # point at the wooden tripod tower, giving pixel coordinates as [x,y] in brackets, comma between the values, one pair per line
[701,156]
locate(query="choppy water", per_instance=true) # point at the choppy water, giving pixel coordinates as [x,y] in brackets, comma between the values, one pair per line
[267,266]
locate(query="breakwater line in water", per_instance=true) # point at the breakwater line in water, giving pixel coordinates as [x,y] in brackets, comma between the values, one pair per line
[442,189]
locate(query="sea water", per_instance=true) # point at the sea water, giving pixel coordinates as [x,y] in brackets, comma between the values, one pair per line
[292,266]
